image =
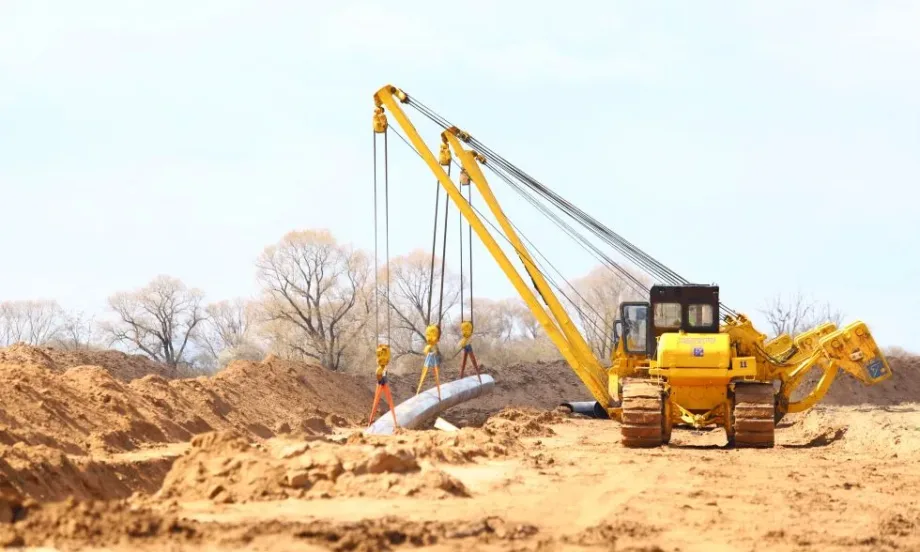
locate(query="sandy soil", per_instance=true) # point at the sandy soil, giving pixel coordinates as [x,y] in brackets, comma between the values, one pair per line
[81,409]
[841,478]
[119,365]
[269,456]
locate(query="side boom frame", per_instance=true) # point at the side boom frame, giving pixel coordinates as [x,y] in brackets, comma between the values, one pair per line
[557,325]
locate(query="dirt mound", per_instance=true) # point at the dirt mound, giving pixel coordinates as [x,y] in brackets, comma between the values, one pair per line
[225,467]
[498,437]
[86,409]
[524,422]
[121,366]
[459,447]
[882,430]
[101,523]
[902,387]
[47,474]
[607,534]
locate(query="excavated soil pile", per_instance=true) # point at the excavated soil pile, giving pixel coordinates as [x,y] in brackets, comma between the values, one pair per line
[121,366]
[499,436]
[47,474]
[86,409]
[72,432]
[902,387]
[226,468]
[526,422]
[887,431]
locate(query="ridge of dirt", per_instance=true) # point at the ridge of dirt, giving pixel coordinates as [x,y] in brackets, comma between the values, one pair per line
[47,474]
[85,409]
[121,366]
[231,466]
[865,428]
[902,387]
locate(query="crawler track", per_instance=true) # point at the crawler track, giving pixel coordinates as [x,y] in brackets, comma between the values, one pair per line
[754,415]
[643,414]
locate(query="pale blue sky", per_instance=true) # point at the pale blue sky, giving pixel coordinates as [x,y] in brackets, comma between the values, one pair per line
[139,138]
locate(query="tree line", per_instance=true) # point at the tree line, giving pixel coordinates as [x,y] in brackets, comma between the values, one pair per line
[322,301]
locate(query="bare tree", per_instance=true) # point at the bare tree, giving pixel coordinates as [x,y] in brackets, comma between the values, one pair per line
[524,319]
[228,332]
[495,320]
[506,332]
[596,300]
[159,320]
[316,297]
[795,314]
[33,322]
[413,287]
[76,331]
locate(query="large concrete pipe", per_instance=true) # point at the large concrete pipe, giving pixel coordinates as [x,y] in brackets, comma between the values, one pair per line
[425,407]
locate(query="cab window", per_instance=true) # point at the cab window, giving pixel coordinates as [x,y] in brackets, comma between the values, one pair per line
[667,315]
[636,331]
[700,316]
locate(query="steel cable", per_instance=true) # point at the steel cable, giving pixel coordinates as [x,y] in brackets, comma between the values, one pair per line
[646,262]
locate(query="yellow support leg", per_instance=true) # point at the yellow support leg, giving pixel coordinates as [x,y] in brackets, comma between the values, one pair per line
[432,358]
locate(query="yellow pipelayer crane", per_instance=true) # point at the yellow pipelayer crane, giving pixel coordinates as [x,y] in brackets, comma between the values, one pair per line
[682,358]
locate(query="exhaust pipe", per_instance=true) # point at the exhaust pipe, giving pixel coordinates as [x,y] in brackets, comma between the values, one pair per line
[591,409]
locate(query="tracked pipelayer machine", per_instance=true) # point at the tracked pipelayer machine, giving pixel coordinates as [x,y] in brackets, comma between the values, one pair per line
[682,358]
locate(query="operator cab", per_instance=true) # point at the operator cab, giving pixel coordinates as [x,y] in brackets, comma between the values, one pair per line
[691,308]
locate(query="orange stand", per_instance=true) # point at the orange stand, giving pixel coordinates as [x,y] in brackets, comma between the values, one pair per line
[383,358]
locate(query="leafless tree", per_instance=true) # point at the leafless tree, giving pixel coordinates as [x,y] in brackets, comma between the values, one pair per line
[228,332]
[76,331]
[34,322]
[412,287]
[595,301]
[315,295]
[525,320]
[159,320]
[795,314]
[495,320]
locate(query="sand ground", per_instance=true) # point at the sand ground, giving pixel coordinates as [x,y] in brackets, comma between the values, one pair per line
[840,478]
[270,456]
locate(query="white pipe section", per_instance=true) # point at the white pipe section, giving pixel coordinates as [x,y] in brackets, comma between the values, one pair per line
[424,407]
